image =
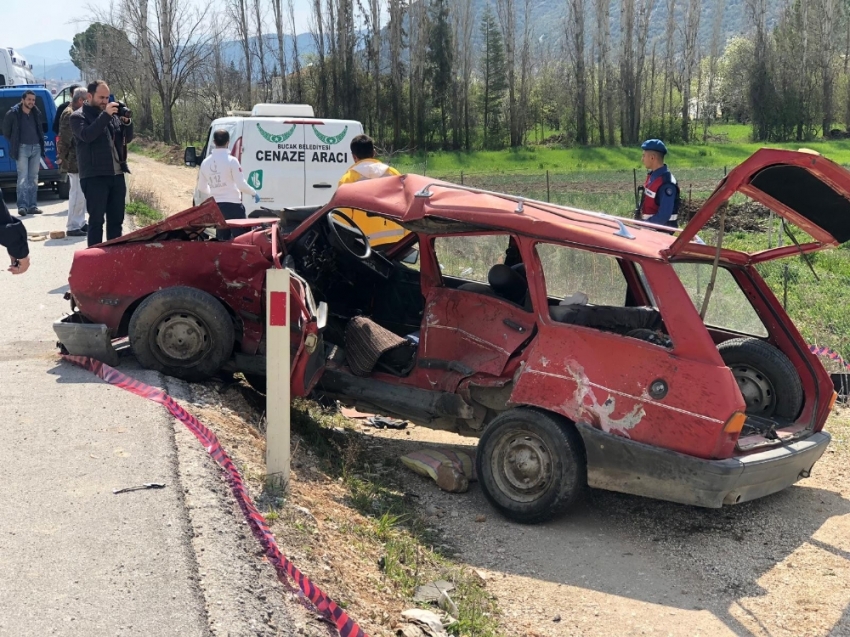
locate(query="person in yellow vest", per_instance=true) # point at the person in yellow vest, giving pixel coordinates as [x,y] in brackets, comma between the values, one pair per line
[367,166]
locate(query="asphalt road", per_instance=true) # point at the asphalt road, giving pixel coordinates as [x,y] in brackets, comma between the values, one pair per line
[76,559]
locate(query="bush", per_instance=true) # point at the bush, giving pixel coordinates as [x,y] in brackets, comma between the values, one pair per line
[144,206]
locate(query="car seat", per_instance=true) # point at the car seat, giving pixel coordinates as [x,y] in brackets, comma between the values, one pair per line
[508,283]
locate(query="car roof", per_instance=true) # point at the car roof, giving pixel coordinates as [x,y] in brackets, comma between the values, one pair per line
[424,204]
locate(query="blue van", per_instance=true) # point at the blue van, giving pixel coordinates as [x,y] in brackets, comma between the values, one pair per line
[49,176]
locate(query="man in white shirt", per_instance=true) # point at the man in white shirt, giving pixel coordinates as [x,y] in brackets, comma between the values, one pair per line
[221,178]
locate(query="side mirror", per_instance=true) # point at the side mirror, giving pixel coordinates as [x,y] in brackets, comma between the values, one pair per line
[190,156]
[322,316]
[411,258]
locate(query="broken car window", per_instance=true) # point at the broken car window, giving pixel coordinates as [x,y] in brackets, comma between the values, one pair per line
[470,257]
[728,308]
[568,271]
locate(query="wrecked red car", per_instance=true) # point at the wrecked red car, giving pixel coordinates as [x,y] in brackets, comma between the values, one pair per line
[571,342]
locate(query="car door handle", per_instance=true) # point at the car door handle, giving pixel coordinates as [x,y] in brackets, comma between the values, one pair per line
[322,186]
[515,326]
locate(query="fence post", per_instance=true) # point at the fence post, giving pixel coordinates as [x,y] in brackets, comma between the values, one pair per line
[548,197]
[461,178]
[277,376]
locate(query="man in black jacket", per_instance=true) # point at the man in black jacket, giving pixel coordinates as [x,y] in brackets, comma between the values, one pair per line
[102,137]
[13,237]
[24,128]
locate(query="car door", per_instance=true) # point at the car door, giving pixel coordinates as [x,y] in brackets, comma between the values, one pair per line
[802,187]
[467,328]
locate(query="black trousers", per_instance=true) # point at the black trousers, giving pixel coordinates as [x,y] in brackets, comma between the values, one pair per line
[230,211]
[104,200]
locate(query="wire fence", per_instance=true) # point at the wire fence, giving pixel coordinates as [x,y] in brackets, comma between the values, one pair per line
[610,191]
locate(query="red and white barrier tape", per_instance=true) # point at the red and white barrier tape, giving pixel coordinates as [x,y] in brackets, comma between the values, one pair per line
[831,354]
[344,624]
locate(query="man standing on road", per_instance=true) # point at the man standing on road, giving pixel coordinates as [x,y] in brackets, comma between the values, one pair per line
[67,147]
[367,166]
[13,237]
[102,137]
[221,178]
[23,128]
[660,201]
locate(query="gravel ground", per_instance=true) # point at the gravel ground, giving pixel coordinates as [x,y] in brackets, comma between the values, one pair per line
[621,564]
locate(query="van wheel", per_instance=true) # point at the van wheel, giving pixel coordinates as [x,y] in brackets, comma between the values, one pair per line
[182,332]
[531,465]
[766,377]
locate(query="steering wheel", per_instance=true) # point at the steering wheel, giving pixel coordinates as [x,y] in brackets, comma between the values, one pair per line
[354,237]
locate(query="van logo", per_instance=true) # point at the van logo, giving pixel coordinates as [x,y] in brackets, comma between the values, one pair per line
[255,179]
[330,140]
[276,139]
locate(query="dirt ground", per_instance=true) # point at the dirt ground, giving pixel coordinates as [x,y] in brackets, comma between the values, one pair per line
[173,186]
[614,565]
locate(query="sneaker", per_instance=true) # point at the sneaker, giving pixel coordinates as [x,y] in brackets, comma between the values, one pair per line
[35,211]
[22,212]
[77,233]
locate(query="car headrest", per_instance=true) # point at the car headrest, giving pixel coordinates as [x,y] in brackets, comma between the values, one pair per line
[507,283]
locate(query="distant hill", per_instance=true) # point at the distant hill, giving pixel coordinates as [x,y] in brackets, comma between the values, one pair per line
[47,53]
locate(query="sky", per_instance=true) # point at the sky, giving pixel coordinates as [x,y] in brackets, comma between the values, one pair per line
[24,23]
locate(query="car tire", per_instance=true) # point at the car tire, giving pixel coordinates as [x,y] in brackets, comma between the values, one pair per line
[182,332]
[553,473]
[768,381]
[63,189]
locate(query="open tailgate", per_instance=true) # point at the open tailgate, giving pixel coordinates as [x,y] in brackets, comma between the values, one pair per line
[802,187]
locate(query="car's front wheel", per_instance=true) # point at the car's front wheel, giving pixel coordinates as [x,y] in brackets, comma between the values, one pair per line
[182,332]
[531,465]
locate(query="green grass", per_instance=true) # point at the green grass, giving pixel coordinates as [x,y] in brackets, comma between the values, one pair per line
[412,552]
[592,158]
[143,214]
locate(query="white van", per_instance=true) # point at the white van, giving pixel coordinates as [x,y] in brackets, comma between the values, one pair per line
[14,69]
[290,157]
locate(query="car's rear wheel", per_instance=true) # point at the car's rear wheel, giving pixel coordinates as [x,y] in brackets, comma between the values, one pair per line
[767,379]
[182,332]
[531,465]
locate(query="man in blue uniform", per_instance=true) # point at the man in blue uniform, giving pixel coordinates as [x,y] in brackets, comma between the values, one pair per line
[660,201]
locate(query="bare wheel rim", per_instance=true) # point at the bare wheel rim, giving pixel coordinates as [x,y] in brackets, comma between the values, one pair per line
[757,390]
[521,465]
[182,338]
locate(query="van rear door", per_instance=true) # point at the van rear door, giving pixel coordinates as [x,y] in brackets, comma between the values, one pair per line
[273,159]
[328,156]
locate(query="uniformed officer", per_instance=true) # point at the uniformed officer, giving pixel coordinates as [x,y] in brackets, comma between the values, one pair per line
[660,201]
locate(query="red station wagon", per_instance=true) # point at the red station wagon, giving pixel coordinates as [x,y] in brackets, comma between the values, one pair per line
[571,342]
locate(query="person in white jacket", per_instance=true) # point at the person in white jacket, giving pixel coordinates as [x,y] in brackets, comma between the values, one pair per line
[221,178]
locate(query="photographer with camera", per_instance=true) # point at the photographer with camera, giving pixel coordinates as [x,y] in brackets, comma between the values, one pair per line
[103,128]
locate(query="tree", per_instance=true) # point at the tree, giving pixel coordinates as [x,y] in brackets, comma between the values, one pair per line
[239,16]
[103,51]
[440,62]
[397,9]
[179,39]
[690,53]
[493,77]
[575,40]
[280,30]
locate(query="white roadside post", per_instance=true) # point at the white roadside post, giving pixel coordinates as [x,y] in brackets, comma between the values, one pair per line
[277,376]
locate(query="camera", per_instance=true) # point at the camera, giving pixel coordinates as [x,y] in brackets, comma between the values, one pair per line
[123,111]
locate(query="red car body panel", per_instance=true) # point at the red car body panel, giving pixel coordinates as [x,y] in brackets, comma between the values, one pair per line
[471,341]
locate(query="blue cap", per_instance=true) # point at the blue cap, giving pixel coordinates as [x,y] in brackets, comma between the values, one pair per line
[654,144]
